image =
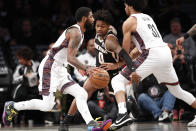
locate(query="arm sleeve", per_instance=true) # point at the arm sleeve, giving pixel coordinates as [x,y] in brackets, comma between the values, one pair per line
[127,59]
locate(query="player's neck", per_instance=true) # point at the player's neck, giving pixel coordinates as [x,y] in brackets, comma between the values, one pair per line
[134,12]
[81,27]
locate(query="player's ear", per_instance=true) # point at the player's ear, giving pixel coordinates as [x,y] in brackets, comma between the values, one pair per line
[84,19]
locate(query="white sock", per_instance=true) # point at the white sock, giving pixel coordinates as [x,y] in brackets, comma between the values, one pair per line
[122,108]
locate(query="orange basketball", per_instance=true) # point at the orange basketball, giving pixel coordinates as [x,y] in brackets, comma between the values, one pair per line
[99,78]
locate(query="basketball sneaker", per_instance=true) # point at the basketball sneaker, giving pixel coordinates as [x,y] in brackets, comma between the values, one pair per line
[67,119]
[121,120]
[193,122]
[93,126]
[8,113]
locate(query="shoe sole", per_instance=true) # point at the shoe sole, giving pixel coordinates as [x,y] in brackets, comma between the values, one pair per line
[106,125]
[4,114]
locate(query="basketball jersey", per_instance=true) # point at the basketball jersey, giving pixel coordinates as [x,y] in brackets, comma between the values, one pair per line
[105,56]
[59,50]
[146,35]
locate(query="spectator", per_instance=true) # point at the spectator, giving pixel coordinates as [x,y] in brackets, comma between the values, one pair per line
[182,70]
[25,34]
[25,76]
[170,9]
[25,81]
[157,100]
[87,58]
[175,33]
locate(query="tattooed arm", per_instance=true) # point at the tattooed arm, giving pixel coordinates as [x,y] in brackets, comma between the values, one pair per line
[191,32]
[74,40]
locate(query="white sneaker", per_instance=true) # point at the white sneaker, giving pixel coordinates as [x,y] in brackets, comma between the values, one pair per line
[193,122]
[164,116]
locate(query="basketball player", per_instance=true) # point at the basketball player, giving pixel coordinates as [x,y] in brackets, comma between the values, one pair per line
[155,59]
[108,51]
[54,75]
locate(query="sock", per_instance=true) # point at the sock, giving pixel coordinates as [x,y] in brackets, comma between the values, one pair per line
[122,108]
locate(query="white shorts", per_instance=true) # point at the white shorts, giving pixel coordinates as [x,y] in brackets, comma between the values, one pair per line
[159,63]
[53,76]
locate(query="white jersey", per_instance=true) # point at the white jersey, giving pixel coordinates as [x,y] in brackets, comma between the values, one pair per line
[147,35]
[59,50]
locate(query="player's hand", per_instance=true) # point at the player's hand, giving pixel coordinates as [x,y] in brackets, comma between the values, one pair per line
[82,72]
[90,69]
[109,66]
[135,78]
[179,41]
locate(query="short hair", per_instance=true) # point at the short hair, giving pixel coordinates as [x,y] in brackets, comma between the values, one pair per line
[175,20]
[103,15]
[81,12]
[138,5]
[25,53]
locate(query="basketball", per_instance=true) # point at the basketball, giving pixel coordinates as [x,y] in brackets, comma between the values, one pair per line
[99,78]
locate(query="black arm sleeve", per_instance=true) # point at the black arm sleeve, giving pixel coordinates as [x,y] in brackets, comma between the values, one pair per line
[127,59]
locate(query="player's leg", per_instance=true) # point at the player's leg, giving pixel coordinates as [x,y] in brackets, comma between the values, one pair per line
[81,97]
[118,84]
[73,108]
[11,108]
[166,74]
[46,104]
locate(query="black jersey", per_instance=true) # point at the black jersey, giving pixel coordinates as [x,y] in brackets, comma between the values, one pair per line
[103,55]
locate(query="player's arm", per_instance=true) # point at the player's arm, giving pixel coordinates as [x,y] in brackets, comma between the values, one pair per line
[127,42]
[112,44]
[74,40]
[191,32]
[111,28]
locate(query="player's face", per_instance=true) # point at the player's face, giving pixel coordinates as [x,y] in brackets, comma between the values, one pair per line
[89,22]
[101,28]
[126,9]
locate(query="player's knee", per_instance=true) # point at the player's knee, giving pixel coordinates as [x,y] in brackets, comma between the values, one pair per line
[83,95]
[48,106]
[117,83]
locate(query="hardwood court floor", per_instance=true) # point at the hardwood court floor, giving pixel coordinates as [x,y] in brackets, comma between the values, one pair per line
[137,126]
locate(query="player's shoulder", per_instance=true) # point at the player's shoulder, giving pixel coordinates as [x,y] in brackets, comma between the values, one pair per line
[129,22]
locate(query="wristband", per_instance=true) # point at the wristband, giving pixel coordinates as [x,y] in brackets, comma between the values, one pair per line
[186,35]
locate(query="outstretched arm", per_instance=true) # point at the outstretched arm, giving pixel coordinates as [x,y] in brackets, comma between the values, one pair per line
[74,40]
[191,32]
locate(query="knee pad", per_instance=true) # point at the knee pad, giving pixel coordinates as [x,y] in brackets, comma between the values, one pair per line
[118,83]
